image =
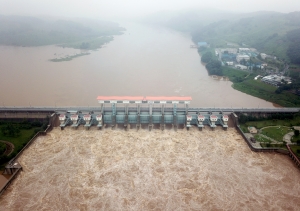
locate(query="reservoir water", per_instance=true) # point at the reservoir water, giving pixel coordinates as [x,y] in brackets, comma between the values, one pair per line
[143,61]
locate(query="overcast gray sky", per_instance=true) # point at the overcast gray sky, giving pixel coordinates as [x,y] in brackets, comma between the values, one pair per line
[120,8]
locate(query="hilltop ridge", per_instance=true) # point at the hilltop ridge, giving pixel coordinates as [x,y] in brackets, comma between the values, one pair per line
[31,31]
[267,31]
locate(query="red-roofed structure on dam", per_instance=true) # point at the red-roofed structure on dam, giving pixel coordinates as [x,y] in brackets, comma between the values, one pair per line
[145,115]
[142,99]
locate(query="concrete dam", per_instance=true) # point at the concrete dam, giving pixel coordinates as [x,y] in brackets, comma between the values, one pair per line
[140,167]
[138,111]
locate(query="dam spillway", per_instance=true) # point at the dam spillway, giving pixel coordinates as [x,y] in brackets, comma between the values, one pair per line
[140,110]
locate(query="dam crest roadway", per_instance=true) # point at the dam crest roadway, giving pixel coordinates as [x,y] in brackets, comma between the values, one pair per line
[138,110]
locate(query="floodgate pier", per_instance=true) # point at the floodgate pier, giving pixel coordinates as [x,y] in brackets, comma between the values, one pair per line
[139,111]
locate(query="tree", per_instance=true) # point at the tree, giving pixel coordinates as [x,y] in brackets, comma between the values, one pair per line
[206,57]
[2,148]
[296,132]
[293,50]
[84,45]
[10,130]
[214,67]
[243,119]
[243,62]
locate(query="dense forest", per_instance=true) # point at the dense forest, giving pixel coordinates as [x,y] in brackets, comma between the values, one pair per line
[213,66]
[272,33]
[293,51]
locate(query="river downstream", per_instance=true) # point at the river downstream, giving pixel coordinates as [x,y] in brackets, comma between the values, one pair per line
[145,61]
[158,170]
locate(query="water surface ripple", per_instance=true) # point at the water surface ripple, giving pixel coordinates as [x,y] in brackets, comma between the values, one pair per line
[158,170]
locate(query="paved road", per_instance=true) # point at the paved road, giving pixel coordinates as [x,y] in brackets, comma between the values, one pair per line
[288,137]
[180,108]
[9,147]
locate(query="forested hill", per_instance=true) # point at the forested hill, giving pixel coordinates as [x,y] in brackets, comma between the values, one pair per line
[30,31]
[293,51]
[266,31]
[271,33]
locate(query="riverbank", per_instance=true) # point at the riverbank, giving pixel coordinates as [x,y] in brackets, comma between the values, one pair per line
[244,81]
[89,44]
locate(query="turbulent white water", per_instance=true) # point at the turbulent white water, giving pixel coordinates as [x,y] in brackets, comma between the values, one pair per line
[158,170]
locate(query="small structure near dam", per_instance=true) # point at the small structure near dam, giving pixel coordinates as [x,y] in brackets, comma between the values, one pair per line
[139,110]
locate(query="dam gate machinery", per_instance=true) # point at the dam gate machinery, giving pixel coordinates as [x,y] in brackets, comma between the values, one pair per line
[128,111]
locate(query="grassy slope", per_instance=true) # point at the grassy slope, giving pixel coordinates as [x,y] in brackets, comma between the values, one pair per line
[259,89]
[273,122]
[21,140]
[233,74]
[295,148]
[276,133]
[267,92]
[2,148]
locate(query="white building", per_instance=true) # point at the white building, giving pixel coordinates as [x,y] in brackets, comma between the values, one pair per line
[229,50]
[244,50]
[274,80]
[263,55]
[229,63]
[240,57]
[241,67]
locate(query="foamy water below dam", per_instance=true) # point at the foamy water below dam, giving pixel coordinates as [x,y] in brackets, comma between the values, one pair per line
[158,170]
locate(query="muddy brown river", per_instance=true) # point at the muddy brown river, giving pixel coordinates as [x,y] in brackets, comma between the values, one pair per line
[145,61]
[158,170]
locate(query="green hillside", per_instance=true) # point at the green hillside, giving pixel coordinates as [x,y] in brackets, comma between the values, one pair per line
[265,32]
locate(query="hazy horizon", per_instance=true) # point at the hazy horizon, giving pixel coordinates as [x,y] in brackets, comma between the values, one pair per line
[116,9]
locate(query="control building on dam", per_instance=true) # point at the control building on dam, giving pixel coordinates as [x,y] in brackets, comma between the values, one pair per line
[139,110]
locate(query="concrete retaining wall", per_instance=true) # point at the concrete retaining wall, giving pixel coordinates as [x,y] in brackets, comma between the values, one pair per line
[5,186]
